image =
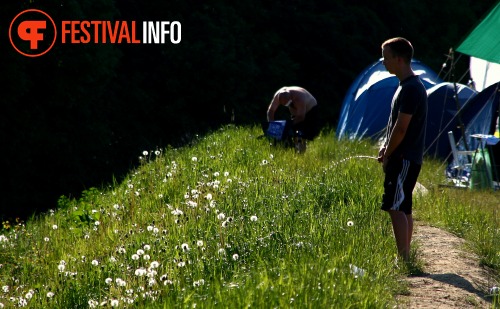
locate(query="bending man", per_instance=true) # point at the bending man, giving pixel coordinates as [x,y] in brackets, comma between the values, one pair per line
[303,110]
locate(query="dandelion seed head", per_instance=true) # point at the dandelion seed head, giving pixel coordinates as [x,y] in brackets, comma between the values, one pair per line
[350,223]
[95,262]
[199,243]
[120,282]
[185,247]
[140,252]
[194,159]
[54,227]
[177,212]
[253,218]
[155,264]
[50,294]
[108,281]
[168,282]
[236,256]
[46,239]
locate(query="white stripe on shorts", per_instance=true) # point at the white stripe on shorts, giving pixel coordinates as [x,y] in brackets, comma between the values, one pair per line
[399,194]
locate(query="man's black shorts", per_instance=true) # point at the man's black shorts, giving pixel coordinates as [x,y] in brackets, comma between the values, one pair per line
[400,179]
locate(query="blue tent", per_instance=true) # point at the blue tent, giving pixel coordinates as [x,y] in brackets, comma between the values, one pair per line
[367,104]
[480,115]
[443,116]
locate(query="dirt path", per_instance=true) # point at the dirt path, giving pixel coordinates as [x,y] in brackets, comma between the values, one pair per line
[452,276]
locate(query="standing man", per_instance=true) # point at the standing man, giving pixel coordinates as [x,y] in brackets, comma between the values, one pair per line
[303,110]
[402,153]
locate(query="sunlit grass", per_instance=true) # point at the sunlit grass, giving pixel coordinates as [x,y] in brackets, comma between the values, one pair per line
[231,222]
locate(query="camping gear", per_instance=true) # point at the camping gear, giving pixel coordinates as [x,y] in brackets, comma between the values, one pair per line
[367,103]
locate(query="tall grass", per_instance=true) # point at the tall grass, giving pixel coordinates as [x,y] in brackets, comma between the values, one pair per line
[227,222]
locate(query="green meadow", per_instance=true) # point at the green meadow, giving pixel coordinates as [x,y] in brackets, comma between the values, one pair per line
[232,221]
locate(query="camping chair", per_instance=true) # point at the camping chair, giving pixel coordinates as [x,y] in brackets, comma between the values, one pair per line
[458,162]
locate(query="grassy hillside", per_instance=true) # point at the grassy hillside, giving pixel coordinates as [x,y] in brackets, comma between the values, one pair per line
[232,222]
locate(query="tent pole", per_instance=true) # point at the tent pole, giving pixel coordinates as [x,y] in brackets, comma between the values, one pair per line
[459,117]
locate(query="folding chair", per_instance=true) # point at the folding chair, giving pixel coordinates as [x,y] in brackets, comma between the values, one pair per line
[461,161]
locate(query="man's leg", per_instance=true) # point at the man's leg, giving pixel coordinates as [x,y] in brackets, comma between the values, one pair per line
[402,226]
[409,218]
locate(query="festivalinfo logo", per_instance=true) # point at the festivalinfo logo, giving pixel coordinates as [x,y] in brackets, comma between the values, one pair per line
[33,33]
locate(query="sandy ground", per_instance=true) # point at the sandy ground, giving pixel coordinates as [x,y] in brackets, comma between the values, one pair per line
[452,276]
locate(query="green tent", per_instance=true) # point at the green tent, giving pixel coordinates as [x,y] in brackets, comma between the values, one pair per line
[484,41]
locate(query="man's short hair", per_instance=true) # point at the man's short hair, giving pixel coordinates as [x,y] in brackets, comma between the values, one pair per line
[400,47]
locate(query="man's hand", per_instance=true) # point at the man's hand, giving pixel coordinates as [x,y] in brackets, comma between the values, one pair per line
[381,153]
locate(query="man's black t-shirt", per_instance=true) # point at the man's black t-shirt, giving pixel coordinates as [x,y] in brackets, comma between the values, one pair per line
[410,98]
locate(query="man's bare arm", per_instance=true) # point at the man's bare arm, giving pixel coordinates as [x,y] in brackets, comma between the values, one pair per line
[272,108]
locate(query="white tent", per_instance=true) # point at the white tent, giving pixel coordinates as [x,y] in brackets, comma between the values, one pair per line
[484,73]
